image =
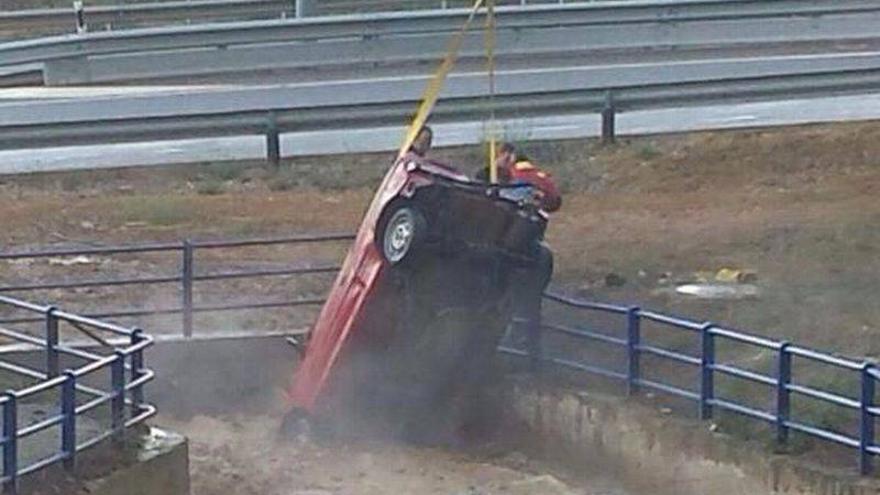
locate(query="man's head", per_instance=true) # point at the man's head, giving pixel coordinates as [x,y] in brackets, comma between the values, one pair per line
[507,152]
[422,144]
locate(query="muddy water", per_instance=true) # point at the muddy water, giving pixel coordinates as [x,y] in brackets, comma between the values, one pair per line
[243,456]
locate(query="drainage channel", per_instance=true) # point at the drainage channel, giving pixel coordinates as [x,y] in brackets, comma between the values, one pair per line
[242,455]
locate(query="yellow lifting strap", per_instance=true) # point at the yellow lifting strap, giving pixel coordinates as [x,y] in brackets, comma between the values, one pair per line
[432,91]
[490,67]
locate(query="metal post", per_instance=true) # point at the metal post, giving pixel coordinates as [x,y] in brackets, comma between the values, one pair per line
[633,340]
[304,8]
[10,443]
[187,296]
[117,403]
[866,431]
[68,420]
[707,378]
[609,115]
[783,396]
[137,366]
[273,141]
[51,343]
[81,26]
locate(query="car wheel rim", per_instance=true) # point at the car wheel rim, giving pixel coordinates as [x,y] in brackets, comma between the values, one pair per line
[399,236]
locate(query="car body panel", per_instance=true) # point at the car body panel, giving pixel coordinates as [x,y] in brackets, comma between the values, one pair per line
[360,271]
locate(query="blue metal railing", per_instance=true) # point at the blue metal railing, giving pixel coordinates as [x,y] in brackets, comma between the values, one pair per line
[123,357]
[704,392]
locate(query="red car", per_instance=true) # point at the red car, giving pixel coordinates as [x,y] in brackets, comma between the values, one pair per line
[425,214]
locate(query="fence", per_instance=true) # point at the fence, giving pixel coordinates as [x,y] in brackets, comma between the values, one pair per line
[124,390]
[185,279]
[783,384]
[628,336]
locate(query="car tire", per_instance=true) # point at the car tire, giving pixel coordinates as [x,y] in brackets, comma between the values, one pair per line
[402,232]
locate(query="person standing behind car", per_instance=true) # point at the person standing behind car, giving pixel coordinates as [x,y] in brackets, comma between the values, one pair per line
[520,169]
[515,168]
[530,281]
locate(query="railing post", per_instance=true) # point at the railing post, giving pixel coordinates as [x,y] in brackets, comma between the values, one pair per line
[273,141]
[117,403]
[707,377]
[137,366]
[633,341]
[783,395]
[68,420]
[866,431]
[187,295]
[80,16]
[609,116]
[10,443]
[51,343]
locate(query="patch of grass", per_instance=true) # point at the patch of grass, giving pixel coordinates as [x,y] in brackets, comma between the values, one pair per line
[647,152]
[211,187]
[224,171]
[159,210]
[283,181]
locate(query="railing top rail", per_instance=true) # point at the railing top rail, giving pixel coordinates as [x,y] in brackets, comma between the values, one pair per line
[746,338]
[294,239]
[175,246]
[672,320]
[578,303]
[17,303]
[826,358]
[49,253]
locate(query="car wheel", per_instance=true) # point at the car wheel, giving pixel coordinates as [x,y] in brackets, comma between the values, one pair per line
[402,233]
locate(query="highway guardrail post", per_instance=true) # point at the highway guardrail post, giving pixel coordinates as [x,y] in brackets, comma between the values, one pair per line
[273,141]
[304,8]
[80,15]
[608,119]
[187,282]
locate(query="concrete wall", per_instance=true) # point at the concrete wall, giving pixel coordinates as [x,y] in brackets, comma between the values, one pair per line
[162,468]
[656,453]
[157,463]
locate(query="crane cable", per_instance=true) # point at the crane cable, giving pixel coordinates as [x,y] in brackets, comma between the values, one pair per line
[432,91]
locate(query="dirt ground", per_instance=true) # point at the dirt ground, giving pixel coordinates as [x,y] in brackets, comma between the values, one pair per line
[797,205]
[244,456]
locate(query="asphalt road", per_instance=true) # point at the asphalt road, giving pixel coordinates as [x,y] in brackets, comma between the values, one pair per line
[387,139]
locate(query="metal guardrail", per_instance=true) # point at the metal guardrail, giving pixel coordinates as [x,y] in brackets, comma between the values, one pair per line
[124,392]
[662,24]
[783,383]
[186,279]
[107,17]
[363,104]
